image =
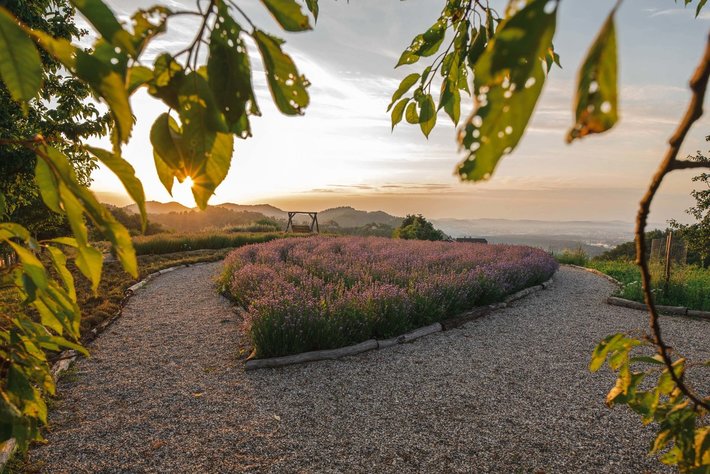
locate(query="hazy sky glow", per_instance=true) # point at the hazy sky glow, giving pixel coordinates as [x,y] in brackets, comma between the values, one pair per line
[343,153]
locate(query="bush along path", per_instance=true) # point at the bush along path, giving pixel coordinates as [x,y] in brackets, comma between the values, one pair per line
[165,391]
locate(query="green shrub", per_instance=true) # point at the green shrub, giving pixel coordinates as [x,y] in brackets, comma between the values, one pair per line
[573,257]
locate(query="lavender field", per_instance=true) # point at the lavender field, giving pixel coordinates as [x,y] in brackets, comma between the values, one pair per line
[326,292]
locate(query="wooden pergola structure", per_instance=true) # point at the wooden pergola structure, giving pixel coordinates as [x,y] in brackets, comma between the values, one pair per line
[303,229]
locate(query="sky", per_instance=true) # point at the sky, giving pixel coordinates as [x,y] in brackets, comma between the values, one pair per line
[342,151]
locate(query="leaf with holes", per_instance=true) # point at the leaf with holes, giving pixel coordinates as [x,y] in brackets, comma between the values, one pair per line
[168,76]
[98,74]
[20,64]
[229,75]
[508,80]
[201,120]
[425,44]
[287,86]
[103,19]
[596,101]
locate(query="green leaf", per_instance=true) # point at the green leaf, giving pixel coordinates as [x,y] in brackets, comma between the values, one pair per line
[229,75]
[59,260]
[69,241]
[288,14]
[427,114]
[201,120]
[450,101]
[409,55]
[103,19]
[30,265]
[166,138]
[701,5]
[77,199]
[411,114]
[108,84]
[145,26]
[398,111]
[168,76]
[477,47]
[655,360]
[215,169]
[75,214]
[165,174]
[404,86]
[99,75]
[9,230]
[125,172]
[602,350]
[596,102]
[313,8]
[90,262]
[20,64]
[508,80]
[287,86]
[425,44]
[47,185]
[137,77]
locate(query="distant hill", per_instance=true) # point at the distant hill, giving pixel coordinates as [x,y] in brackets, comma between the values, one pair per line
[266,209]
[212,217]
[348,217]
[155,207]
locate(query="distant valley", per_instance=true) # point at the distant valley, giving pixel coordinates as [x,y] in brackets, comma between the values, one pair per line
[593,236]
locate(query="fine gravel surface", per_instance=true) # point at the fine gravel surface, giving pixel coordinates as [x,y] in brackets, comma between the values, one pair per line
[165,391]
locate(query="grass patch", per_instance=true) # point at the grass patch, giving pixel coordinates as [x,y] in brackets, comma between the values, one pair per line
[170,243]
[573,257]
[689,285]
[327,292]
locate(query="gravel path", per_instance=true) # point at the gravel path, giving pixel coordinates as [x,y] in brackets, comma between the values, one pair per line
[164,391]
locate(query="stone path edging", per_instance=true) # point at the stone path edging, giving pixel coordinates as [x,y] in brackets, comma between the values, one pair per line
[66,358]
[663,309]
[374,344]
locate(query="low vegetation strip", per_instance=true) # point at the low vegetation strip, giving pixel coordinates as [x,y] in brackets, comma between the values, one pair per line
[325,292]
[170,243]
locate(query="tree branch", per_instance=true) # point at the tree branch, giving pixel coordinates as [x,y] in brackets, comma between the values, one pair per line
[698,85]
[685,164]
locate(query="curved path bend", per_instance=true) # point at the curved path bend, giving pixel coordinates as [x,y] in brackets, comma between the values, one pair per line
[165,391]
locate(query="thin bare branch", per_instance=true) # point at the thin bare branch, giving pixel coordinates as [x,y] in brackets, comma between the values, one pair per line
[698,85]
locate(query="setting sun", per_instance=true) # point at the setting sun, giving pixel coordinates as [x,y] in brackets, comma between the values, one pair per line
[182,192]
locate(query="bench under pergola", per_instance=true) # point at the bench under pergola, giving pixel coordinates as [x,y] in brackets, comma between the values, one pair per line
[303,229]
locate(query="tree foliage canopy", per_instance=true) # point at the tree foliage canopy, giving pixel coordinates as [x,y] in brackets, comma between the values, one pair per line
[416,227]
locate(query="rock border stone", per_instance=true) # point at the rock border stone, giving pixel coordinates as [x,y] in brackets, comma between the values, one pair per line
[66,358]
[375,344]
[663,309]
